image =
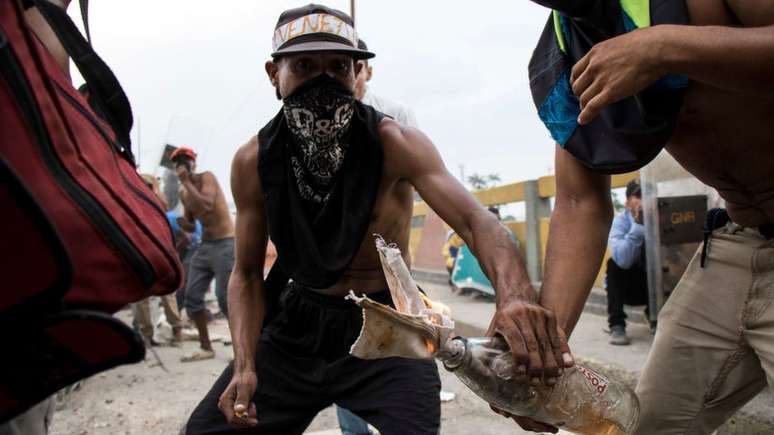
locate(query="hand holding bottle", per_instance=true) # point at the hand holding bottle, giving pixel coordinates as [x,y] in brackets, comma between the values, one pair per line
[538,345]
[581,401]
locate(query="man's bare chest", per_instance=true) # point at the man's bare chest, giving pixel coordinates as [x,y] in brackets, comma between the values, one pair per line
[390,218]
[720,131]
[747,13]
[185,195]
[726,139]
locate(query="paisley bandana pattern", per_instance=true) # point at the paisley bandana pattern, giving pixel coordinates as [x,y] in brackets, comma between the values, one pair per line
[318,115]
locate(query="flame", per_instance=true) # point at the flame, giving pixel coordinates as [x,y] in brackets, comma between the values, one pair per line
[429,304]
[430,346]
[434,305]
[435,312]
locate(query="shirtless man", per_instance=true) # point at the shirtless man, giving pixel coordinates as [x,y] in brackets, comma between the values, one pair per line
[203,200]
[713,350]
[321,178]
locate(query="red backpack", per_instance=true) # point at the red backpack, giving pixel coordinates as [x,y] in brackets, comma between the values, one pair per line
[82,235]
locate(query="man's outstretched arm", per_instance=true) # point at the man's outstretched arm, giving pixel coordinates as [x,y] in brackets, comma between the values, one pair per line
[537,345]
[577,238]
[246,297]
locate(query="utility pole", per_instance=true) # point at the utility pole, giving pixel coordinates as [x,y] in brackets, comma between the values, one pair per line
[352,11]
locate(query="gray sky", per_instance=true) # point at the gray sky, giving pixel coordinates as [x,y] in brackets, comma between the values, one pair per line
[193,71]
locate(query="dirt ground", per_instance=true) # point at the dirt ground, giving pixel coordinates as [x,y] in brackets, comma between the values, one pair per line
[143,399]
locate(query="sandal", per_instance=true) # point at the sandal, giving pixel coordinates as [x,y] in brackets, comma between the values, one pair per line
[199,355]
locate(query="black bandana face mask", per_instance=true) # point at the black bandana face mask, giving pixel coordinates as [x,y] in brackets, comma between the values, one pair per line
[318,114]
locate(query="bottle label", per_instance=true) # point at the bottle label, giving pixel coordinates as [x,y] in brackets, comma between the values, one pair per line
[597,381]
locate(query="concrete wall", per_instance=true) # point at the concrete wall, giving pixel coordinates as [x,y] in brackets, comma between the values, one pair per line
[429,247]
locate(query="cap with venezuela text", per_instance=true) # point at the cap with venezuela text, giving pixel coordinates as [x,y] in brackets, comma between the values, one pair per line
[316,28]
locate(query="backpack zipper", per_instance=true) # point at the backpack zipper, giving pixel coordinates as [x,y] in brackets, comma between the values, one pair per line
[118,151]
[107,227]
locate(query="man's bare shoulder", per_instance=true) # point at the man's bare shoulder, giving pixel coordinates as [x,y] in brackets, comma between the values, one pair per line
[752,13]
[247,154]
[388,126]
[208,179]
[396,147]
[208,175]
[745,13]
[407,151]
[244,171]
[398,138]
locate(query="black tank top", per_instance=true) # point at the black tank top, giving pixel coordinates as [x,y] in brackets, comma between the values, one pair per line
[316,244]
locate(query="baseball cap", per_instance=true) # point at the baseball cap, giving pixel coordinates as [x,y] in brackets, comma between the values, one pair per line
[633,188]
[183,151]
[316,28]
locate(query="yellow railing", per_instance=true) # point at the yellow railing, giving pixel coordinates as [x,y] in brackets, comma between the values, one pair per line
[505,194]
[514,193]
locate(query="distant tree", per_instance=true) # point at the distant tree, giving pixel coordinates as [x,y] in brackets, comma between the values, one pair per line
[480,182]
[477,182]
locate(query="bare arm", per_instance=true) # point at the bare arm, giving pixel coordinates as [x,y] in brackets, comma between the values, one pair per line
[732,58]
[246,297]
[577,238]
[479,228]
[529,329]
[199,201]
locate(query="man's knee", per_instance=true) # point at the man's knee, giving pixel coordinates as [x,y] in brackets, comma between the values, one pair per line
[194,303]
[194,294]
[658,416]
[397,410]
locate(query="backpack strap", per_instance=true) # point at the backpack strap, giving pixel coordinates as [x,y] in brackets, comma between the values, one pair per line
[85,16]
[51,353]
[103,85]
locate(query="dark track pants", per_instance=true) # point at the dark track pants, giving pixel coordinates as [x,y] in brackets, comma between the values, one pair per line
[304,366]
[624,286]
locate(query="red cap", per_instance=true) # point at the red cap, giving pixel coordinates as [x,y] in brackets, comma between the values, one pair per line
[183,151]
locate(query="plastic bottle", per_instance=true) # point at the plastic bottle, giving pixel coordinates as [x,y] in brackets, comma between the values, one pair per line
[582,401]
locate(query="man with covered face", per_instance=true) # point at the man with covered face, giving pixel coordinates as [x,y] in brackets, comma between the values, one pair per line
[320,178]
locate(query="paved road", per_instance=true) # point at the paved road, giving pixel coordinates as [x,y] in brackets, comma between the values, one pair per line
[142,399]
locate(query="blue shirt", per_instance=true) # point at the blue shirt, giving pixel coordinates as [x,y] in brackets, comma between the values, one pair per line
[626,240]
[196,236]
